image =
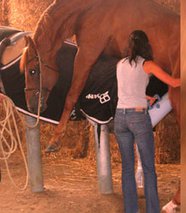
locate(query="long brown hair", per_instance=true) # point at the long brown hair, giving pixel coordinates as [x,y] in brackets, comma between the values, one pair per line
[139,46]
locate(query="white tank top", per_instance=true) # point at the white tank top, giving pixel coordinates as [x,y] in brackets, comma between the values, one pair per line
[132,82]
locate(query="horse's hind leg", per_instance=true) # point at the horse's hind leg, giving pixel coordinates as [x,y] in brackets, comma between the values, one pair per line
[85,58]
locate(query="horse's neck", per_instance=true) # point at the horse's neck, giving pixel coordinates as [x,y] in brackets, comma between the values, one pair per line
[45,37]
[58,23]
[44,44]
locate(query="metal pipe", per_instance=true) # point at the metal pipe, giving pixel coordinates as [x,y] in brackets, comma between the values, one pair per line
[103,159]
[34,155]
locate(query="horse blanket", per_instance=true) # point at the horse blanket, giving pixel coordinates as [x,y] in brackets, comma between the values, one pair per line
[98,99]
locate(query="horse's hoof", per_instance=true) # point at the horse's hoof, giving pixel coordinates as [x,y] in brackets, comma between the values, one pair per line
[53,147]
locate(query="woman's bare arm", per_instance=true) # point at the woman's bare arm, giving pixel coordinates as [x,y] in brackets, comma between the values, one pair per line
[153,68]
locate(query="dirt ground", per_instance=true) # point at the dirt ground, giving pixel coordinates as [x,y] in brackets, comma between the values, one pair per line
[71,186]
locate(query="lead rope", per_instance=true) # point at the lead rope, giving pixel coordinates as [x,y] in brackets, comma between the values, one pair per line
[39,98]
[6,130]
[8,147]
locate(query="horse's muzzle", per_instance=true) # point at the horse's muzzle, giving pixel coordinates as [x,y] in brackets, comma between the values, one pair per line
[34,106]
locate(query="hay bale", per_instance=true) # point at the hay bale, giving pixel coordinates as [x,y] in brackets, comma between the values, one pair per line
[167,141]
[174,5]
[24,14]
[4,7]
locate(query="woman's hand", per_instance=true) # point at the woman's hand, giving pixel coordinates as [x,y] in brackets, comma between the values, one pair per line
[151,99]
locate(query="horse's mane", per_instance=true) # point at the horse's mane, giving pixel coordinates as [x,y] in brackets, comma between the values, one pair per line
[43,24]
[59,20]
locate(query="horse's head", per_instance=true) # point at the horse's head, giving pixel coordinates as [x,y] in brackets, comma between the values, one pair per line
[40,77]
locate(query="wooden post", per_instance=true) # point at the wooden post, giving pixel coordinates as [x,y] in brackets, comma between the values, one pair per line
[183,106]
[34,155]
[103,160]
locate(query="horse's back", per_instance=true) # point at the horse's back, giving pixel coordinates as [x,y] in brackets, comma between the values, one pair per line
[115,20]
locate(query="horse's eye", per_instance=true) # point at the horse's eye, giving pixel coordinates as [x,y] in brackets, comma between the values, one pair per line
[32,72]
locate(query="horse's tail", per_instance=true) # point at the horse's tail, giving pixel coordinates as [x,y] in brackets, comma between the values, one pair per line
[61,19]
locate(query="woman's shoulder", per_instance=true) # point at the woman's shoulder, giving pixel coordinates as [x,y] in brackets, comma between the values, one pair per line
[149,66]
[149,63]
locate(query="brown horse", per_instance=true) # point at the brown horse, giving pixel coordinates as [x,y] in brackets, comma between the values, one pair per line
[100,27]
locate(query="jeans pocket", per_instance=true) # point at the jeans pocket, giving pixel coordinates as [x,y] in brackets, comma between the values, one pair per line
[118,121]
[140,123]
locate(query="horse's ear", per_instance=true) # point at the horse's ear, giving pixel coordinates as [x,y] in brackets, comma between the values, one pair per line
[26,40]
[29,49]
[22,63]
[29,42]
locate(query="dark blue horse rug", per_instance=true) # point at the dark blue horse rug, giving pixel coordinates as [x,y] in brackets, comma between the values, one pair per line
[99,97]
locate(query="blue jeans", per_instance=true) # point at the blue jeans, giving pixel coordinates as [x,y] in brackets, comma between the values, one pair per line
[131,126]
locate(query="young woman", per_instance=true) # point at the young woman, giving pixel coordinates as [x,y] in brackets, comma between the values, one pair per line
[132,121]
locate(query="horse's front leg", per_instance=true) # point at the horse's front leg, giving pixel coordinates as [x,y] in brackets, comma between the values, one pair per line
[82,65]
